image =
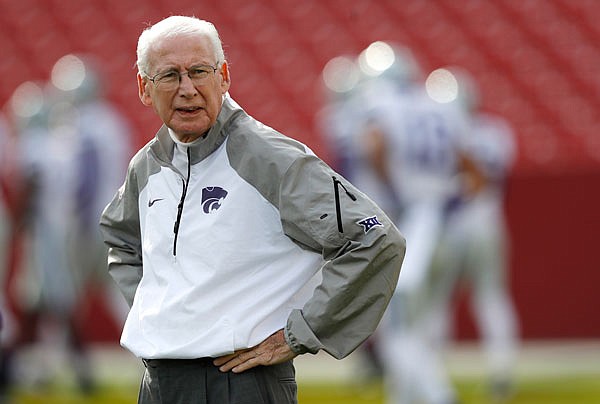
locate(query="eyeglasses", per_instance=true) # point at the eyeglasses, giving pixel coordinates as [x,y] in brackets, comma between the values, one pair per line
[171,79]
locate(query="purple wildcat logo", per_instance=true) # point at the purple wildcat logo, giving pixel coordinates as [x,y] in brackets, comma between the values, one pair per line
[212,197]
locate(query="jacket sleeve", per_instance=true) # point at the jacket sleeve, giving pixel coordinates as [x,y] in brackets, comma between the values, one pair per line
[120,228]
[363,253]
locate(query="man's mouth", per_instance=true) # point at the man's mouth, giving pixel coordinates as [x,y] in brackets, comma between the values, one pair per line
[188,110]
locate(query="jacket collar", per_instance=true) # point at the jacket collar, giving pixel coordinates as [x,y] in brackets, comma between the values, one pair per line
[164,145]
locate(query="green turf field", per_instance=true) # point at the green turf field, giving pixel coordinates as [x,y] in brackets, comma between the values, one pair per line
[559,390]
[580,390]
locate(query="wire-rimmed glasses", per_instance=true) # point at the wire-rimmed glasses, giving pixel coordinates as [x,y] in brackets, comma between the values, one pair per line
[171,79]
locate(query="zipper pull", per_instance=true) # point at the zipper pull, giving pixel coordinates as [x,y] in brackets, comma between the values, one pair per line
[337,183]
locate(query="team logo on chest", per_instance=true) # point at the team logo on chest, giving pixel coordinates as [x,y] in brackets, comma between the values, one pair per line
[212,198]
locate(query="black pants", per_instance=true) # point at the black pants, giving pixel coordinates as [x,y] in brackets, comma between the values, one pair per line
[198,381]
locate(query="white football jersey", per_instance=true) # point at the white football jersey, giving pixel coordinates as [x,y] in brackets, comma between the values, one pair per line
[492,146]
[424,138]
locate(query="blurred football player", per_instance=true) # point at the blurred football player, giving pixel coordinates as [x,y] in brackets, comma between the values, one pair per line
[475,246]
[415,148]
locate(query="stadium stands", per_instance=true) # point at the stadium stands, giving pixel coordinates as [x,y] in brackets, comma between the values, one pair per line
[536,60]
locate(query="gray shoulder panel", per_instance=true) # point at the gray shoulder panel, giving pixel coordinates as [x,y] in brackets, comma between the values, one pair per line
[261,155]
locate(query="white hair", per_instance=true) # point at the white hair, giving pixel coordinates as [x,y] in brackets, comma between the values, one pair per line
[174,26]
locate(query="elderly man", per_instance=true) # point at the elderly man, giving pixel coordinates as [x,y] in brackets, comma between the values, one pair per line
[236,247]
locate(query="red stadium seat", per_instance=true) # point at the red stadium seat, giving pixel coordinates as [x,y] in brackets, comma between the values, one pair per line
[524,53]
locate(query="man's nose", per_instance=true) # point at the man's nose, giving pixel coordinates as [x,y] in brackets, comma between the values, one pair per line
[186,84]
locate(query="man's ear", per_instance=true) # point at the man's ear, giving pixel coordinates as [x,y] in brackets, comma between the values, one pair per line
[143,92]
[224,70]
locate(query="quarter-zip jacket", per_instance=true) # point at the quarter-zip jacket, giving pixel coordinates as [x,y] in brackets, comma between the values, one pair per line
[257,235]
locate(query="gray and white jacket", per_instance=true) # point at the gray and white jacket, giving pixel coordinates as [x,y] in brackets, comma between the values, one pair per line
[255,234]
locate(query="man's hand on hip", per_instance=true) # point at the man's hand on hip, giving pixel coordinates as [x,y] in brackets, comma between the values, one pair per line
[271,351]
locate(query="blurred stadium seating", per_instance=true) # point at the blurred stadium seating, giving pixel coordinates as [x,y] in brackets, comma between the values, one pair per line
[536,60]
[537,63]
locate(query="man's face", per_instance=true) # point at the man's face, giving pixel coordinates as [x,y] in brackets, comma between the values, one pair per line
[189,109]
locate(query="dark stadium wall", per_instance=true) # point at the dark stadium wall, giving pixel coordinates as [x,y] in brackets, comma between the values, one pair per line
[555,264]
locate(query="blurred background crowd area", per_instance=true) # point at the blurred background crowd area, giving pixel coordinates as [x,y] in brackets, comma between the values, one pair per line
[535,60]
[536,63]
